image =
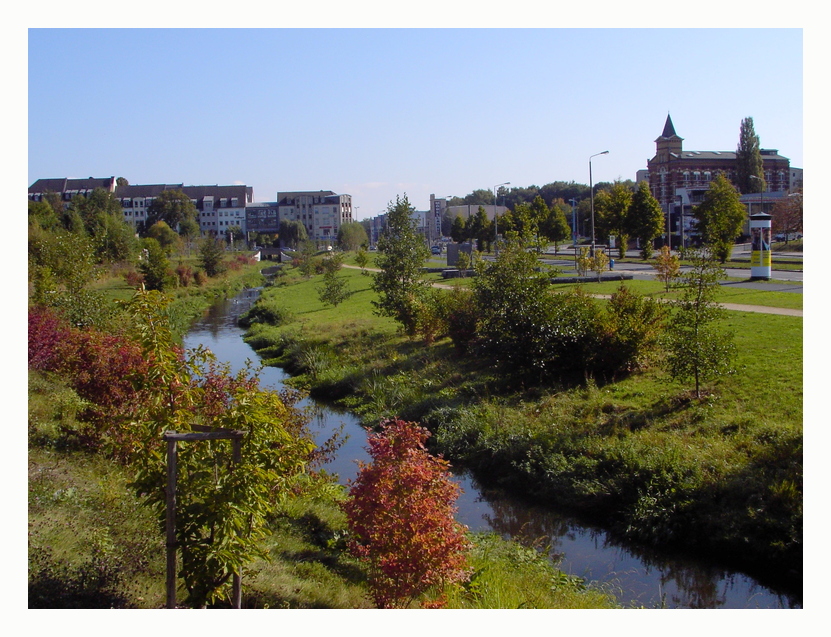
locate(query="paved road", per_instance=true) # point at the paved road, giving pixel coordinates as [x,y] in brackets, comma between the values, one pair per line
[644,271]
[760,309]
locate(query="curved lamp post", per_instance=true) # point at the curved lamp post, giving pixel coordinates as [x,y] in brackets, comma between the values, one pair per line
[591,192]
[495,229]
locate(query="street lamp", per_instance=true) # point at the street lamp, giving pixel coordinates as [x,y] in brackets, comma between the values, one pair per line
[591,192]
[495,229]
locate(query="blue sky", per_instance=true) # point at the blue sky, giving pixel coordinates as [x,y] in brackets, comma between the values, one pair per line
[376,113]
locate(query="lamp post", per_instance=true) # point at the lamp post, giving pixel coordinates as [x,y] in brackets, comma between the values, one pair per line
[573,203]
[591,192]
[495,229]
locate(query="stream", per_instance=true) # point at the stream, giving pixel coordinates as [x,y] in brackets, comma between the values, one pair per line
[637,576]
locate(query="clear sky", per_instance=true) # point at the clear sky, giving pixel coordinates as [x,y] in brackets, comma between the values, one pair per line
[376,113]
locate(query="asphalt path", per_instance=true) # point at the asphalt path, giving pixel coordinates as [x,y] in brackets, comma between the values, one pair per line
[645,271]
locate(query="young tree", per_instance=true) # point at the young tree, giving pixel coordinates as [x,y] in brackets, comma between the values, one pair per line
[351,236]
[696,348]
[212,255]
[646,218]
[224,503]
[749,160]
[668,266]
[334,289]
[719,218]
[154,266]
[362,259]
[611,209]
[555,227]
[401,256]
[400,511]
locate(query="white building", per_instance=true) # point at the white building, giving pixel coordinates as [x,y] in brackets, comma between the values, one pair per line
[322,212]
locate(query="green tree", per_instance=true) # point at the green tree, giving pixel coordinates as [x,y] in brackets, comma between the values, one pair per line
[401,256]
[224,503]
[646,218]
[292,233]
[362,259]
[212,255]
[154,265]
[189,230]
[334,289]
[480,229]
[555,226]
[719,218]
[749,162]
[351,236]
[171,206]
[458,230]
[611,211]
[103,220]
[165,235]
[697,348]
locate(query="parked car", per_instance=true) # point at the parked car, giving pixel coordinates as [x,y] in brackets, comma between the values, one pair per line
[436,249]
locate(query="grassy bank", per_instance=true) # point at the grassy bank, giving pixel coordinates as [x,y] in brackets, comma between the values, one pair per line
[722,475]
[188,302]
[93,545]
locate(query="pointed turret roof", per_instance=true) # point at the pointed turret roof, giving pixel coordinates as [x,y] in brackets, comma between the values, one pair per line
[669,129]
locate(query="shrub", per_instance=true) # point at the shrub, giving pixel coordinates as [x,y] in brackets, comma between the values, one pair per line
[200,278]
[633,326]
[460,315]
[184,274]
[400,513]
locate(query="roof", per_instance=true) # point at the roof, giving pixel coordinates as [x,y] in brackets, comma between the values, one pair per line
[283,197]
[723,154]
[63,184]
[144,190]
[669,129]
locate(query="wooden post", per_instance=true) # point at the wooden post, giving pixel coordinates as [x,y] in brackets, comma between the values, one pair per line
[170,525]
[199,433]
[236,585]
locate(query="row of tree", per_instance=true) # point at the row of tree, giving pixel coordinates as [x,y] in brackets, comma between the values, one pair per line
[513,319]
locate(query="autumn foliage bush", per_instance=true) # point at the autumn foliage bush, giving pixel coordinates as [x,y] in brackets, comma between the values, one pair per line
[401,516]
[107,370]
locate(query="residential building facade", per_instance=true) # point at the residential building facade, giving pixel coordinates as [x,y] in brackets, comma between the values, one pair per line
[322,212]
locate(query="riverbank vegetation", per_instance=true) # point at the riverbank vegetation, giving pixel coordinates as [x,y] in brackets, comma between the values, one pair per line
[632,448]
[107,379]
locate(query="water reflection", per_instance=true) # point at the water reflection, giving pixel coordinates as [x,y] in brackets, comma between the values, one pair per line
[637,575]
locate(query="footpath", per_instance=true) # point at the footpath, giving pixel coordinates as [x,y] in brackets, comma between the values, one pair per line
[760,309]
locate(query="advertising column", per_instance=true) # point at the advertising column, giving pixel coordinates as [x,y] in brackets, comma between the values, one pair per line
[760,246]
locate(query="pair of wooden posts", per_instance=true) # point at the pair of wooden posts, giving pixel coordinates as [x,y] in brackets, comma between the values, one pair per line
[172,438]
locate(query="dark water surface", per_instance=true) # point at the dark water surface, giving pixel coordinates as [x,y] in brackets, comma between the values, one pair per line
[637,576]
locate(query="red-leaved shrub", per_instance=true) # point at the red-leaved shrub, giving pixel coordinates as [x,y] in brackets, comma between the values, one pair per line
[401,515]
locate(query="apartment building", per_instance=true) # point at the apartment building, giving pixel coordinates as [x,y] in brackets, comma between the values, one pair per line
[322,212]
